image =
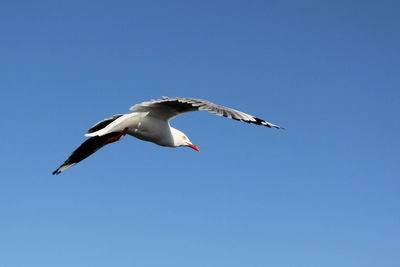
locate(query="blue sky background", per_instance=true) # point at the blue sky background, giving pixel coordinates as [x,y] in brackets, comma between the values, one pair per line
[325,192]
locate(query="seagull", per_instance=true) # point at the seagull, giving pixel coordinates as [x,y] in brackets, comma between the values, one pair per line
[149,121]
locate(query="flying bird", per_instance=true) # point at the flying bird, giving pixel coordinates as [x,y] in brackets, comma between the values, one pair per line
[149,121]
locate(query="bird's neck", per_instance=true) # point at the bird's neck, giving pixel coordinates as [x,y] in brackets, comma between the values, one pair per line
[176,137]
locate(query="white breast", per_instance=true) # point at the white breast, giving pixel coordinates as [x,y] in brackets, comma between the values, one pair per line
[152,130]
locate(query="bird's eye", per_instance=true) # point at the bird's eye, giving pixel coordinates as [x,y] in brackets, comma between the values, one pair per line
[184,137]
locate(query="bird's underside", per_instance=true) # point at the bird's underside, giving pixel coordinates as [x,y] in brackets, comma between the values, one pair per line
[160,111]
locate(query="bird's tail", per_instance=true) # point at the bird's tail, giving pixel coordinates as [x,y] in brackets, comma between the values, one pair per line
[88,148]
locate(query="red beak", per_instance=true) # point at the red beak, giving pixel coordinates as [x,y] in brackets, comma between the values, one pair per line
[194,147]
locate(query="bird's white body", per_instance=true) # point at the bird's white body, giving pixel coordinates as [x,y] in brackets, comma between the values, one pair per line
[149,121]
[153,130]
[143,127]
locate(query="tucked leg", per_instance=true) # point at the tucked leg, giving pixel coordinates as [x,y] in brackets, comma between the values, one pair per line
[118,137]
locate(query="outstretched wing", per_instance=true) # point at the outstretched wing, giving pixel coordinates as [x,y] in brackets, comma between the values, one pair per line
[170,107]
[88,148]
[102,124]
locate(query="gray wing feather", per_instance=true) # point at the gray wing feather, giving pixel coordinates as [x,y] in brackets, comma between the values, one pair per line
[170,107]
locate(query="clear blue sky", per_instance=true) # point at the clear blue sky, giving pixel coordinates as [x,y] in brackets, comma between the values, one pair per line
[325,192]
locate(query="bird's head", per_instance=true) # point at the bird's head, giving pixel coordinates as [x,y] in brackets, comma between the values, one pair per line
[180,139]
